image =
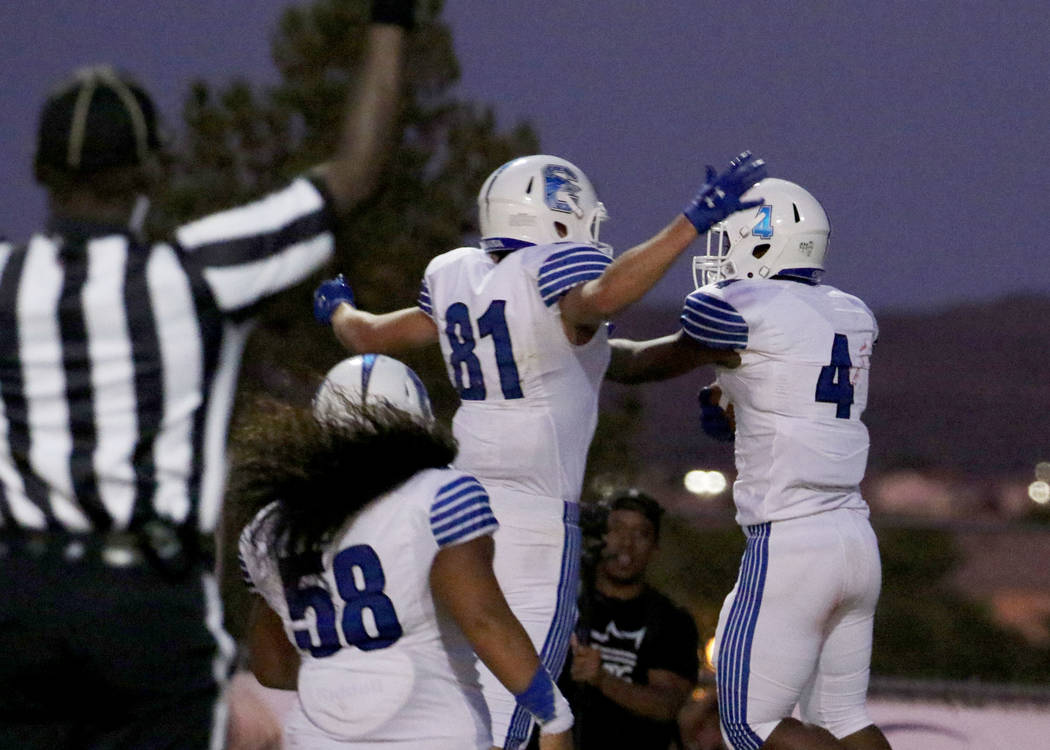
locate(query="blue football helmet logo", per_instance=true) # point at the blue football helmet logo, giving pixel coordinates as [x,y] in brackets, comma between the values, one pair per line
[561,189]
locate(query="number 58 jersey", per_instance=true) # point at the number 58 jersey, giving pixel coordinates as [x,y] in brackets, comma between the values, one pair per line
[529,397]
[798,393]
[381,661]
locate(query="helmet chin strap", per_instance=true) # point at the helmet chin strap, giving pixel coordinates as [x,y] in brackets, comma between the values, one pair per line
[137,220]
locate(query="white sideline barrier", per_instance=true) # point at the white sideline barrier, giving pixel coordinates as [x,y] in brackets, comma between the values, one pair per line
[927,725]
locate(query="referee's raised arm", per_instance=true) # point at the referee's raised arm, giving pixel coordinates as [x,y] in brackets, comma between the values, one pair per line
[250,252]
[353,171]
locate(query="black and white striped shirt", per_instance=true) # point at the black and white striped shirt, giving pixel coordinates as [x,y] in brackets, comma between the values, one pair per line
[119,361]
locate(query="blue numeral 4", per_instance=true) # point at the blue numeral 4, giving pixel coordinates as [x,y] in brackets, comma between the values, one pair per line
[764,228]
[833,384]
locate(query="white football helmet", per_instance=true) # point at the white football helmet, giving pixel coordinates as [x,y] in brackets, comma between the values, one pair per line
[786,235]
[536,200]
[371,379]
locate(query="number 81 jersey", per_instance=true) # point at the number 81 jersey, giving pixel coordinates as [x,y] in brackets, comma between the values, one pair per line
[798,394]
[529,397]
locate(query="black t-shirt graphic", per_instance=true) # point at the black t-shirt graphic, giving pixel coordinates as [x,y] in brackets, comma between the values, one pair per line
[633,636]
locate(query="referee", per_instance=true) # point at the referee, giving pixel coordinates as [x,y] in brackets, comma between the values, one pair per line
[118,363]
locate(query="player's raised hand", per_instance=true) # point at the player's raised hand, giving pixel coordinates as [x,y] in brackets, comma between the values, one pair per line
[720,194]
[329,295]
[714,420]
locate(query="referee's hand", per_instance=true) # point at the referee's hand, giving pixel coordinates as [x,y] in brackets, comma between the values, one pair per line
[398,12]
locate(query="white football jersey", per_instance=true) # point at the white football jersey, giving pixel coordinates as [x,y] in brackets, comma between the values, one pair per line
[380,661]
[798,393]
[529,397]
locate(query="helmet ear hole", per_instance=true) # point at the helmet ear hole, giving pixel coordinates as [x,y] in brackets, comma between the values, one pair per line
[797,217]
[528,191]
[561,229]
[760,250]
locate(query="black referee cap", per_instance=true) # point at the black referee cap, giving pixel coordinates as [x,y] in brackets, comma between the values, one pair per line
[97,120]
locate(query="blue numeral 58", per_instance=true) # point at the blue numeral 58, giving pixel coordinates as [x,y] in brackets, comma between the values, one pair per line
[355,600]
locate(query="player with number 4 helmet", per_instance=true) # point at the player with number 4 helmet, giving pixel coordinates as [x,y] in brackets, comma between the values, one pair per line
[796,630]
[790,238]
[372,560]
[521,323]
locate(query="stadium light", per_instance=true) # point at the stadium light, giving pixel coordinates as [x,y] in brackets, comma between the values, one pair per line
[1039,492]
[709,654]
[706,483]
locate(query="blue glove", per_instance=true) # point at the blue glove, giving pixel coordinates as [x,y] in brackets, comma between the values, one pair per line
[720,194]
[713,418]
[329,295]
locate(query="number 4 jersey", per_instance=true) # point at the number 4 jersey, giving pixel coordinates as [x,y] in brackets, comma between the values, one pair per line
[798,394]
[529,397]
[380,662]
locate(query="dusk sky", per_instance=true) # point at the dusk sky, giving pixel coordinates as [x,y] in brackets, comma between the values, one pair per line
[921,125]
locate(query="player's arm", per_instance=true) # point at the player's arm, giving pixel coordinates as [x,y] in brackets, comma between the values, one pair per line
[627,278]
[271,656]
[388,333]
[463,583]
[662,358]
[634,272]
[363,332]
[353,170]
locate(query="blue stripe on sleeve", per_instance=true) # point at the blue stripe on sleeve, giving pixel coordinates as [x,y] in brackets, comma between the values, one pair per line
[438,515]
[575,254]
[714,322]
[453,530]
[452,486]
[424,299]
[460,512]
[568,268]
[453,492]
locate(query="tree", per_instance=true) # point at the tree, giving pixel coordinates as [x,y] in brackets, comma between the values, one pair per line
[241,141]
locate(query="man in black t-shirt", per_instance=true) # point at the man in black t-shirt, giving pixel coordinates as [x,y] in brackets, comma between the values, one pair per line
[639,664]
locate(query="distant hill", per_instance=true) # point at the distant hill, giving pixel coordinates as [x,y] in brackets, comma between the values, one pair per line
[965,389]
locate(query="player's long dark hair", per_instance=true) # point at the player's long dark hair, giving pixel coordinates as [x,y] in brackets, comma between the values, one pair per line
[322,472]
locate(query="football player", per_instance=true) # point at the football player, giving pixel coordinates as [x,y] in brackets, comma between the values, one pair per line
[373,561]
[797,628]
[521,322]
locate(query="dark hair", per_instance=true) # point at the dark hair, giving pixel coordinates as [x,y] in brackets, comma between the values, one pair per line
[640,502]
[320,473]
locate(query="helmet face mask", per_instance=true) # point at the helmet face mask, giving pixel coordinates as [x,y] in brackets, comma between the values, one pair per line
[538,200]
[787,235]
